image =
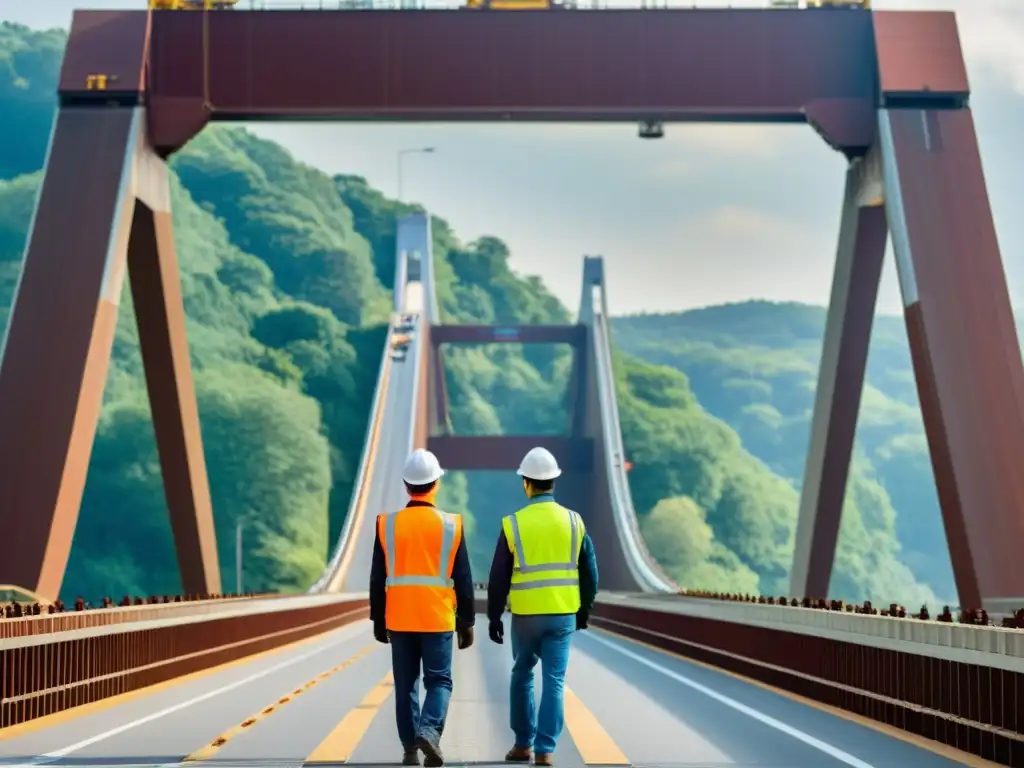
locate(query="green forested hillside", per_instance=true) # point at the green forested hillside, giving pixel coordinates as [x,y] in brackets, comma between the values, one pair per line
[286,276]
[755,366]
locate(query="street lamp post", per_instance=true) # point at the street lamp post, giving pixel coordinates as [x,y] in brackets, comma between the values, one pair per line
[239,526]
[401,156]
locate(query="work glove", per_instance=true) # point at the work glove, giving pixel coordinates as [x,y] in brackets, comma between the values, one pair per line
[496,630]
[380,633]
[466,636]
[581,621]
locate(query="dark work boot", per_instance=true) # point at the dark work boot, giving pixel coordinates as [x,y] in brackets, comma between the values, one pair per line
[543,758]
[432,755]
[411,757]
[518,755]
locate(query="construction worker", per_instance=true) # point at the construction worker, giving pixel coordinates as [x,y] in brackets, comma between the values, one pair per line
[421,593]
[545,568]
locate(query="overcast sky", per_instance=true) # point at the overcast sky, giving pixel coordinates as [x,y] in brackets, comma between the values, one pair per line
[709,214]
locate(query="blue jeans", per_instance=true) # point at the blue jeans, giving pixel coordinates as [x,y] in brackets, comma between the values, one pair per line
[546,639]
[434,651]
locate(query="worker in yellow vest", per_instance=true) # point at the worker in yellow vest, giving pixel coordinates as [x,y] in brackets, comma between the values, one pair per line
[421,593]
[545,568]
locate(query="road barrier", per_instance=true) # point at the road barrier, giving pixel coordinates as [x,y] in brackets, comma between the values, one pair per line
[21,619]
[973,616]
[44,674]
[955,684]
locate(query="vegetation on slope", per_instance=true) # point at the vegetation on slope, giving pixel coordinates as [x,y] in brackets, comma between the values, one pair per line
[755,366]
[286,274]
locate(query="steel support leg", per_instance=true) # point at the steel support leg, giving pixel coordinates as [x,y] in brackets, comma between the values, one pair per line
[859,258]
[442,419]
[57,349]
[156,294]
[964,345]
[423,405]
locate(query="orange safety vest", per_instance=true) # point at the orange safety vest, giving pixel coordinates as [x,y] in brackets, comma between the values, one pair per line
[419,548]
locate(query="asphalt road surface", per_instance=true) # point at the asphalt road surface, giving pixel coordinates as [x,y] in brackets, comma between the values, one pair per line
[329,701]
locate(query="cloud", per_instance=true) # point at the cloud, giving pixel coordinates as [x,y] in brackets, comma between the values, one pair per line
[993,37]
[748,223]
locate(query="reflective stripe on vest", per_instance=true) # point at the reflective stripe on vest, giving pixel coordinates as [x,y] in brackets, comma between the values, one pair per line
[447,551]
[525,568]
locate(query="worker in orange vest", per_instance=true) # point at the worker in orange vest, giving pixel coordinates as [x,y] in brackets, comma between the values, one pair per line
[421,593]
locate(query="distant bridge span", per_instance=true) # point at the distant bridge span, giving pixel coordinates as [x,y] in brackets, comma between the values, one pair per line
[410,411]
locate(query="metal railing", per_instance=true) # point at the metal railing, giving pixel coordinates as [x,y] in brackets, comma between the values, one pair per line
[359,487]
[43,675]
[645,568]
[948,682]
[20,619]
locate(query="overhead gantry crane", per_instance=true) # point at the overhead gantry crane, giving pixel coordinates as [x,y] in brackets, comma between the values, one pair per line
[515,5]
[192,5]
[500,5]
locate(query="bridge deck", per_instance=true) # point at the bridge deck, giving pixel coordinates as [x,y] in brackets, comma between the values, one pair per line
[626,703]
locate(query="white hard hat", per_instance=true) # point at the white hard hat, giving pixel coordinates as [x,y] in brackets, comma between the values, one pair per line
[539,464]
[421,468]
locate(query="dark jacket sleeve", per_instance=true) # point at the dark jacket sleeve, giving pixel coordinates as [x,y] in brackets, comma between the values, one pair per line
[500,581]
[587,566]
[378,579]
[462,575]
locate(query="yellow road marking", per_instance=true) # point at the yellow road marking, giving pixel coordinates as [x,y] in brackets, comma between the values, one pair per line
[595,746]
[936,747]
[48,721]
[207,752]
[343,740]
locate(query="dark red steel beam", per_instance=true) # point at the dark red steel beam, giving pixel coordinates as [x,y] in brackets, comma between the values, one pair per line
[424,409]
[519,334]
[160,316]
[742,65]
[960,324]
[963,342]
[576,392]
[504,452]
[665,64]
[863,234]
[440,390]
[918,55]
[59,343]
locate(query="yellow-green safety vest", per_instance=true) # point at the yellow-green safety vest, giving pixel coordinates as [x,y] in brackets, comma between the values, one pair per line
[545,539]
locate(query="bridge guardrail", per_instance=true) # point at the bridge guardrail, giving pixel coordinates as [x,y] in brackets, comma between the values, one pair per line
[23,620]
[44,674]
[956,684]
[971,616]
[626,522]
[330,573]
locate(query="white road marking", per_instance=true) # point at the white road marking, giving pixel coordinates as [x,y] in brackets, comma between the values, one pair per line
[771,722]
[49,757]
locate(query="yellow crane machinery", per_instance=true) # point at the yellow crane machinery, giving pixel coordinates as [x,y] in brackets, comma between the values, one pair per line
[864,5]
[192,5]
[512,5]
